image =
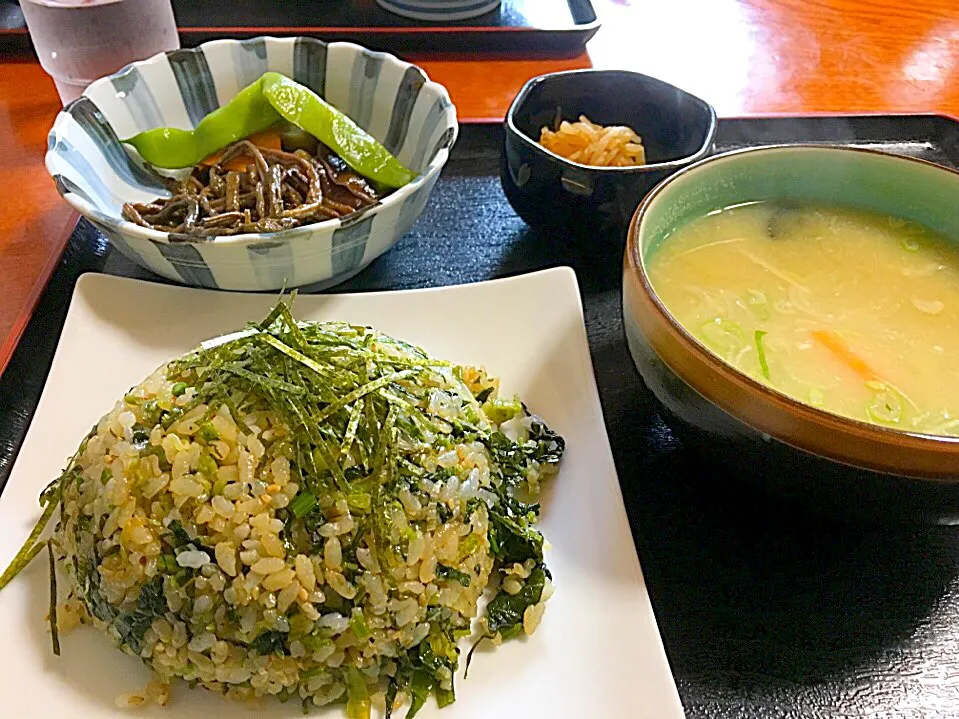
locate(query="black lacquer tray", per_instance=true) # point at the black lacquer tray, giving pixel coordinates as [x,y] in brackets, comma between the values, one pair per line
[766,611]
[556,27]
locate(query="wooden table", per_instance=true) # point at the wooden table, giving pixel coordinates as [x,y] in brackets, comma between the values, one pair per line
[766,612]
[744,56]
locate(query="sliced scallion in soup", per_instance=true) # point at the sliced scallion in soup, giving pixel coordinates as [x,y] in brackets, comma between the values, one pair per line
[853,312]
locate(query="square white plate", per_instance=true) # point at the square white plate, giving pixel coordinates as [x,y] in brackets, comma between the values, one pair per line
[597,652]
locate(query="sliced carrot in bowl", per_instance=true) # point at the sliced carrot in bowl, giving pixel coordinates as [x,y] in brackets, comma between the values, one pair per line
[267,140]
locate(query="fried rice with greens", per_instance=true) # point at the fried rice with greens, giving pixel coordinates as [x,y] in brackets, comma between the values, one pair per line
[310,511]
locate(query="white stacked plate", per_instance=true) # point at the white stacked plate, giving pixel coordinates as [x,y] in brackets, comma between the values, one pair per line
[435,10]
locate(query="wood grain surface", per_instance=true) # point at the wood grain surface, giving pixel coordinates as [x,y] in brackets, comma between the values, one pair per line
[34,222]
[744,56]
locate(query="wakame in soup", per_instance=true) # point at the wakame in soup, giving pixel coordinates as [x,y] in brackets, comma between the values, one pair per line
[854,312]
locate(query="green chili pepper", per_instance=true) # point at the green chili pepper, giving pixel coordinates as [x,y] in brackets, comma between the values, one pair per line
[268,100]
[304,108]
[172,148]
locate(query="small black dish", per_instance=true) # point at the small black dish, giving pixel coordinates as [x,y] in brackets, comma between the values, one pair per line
[559,195]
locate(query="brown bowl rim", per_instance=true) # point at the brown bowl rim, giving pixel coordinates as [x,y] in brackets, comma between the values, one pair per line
[764,409]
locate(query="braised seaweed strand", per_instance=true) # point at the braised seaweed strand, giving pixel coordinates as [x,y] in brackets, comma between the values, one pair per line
[277,190]
[54,624]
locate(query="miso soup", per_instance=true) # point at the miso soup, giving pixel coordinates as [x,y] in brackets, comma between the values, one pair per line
[853,312]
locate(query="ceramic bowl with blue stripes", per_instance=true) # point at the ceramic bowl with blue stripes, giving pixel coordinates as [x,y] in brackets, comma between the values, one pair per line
[392,100]
[438,10]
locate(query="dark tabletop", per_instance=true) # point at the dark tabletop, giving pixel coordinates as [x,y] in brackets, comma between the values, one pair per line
[765,610]
[556,28]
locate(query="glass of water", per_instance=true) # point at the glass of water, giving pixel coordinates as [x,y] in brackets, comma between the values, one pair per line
[78,41]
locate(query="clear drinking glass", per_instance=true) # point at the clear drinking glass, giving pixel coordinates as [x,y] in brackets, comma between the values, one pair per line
[78,41]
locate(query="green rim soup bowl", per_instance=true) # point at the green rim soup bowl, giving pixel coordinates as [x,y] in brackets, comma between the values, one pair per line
[825,461]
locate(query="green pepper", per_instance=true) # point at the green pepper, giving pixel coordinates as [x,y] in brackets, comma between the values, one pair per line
[270,99]
[304,108]
[172,148]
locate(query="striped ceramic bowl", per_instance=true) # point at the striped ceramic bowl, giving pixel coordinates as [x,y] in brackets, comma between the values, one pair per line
[392,100]
[438,10]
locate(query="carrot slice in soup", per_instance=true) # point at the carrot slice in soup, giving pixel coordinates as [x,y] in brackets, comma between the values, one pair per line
[832,342]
